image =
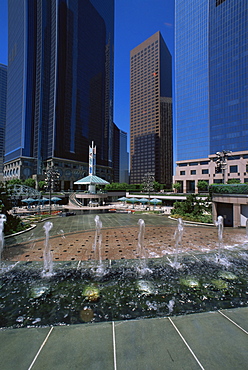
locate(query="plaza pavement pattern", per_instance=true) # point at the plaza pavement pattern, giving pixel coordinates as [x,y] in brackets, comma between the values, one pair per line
[211,340]
[72,238]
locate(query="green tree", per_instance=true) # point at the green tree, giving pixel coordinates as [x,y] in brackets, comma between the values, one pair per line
[176,186]
[41,185]
[15,181]
[202,185]
[116,186]
[13,223]
[156,186]
[30,182]
[192,206]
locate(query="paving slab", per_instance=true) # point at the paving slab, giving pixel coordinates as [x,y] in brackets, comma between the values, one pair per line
[208,341]
[18,347]
[151,345]
[239,316]
[217,343]
[78,347]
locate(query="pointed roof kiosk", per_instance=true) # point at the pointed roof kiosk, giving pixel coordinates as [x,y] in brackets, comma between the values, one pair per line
[92,180]
[91,198]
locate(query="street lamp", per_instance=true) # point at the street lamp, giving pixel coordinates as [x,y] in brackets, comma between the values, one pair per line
[221,163]
[148,183]
[52,178]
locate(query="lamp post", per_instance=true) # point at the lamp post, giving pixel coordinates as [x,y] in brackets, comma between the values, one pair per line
[52,177]
[148,181]
[221,163]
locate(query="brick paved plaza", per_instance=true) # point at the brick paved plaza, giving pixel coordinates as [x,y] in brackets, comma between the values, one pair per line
[72,238]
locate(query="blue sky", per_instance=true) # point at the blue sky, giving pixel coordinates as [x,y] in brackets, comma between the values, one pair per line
[135,21]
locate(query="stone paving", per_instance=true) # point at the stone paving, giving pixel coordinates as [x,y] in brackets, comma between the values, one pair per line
[73,238]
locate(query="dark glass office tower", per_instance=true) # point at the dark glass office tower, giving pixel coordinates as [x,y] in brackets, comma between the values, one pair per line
[60,85]
[228,75]
[3,98]
[151,111]
[211,74]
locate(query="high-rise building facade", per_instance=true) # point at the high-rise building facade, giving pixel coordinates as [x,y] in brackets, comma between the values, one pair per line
[211,74]
[124,159]
[151,111]
[60,86]
[3,98]
[120,156]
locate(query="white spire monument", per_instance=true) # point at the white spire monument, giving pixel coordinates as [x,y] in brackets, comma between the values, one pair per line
[92,180]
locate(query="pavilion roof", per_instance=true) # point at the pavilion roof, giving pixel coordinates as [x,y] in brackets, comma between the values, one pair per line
[91,179]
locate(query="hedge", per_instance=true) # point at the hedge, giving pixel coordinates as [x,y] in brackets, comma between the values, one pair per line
[228,189]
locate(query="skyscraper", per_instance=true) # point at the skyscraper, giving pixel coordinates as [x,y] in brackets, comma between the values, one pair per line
[151,111]
[211,74]
[3,97]
[124,158]
[120,156]
[60,86]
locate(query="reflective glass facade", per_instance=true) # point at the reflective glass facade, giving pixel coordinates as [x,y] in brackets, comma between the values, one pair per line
[211,74]
[60,87]
[191,79]
[3,98]
[228,75]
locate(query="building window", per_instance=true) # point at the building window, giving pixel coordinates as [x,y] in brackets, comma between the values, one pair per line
[247,168]
[218,2]
[193,164]
[204,162]
[233,169]
[217,181]
[205,171]
[182,164]
[193,172]
[182,172]
[233,157]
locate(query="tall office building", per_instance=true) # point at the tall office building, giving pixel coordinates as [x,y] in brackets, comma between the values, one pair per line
[211,74]
[60,87]
[120,156]
[3,97]
[124,158]
[151,111]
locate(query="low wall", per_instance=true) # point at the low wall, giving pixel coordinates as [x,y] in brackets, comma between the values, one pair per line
[235,207]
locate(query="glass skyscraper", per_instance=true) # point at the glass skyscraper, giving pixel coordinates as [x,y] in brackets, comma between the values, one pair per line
[60,85]
[228,75]
[211,74]
[3,98]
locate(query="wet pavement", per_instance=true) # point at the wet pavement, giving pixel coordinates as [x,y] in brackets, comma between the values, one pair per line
[213,340]
[72,238]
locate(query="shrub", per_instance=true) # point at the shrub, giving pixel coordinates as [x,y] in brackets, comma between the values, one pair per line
[192,209]
[228,189]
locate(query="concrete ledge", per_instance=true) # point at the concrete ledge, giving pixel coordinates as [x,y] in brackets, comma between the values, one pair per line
[192,222]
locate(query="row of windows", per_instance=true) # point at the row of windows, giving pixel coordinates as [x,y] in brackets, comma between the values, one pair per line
[148,48]
[232,169]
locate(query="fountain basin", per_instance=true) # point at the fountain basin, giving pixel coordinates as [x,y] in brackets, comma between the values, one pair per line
[201,284]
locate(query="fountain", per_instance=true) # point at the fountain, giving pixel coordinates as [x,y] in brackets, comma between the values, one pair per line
[98,246]
[47,255]
[66,293]
[142,269]
[220,225]
[178,240]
